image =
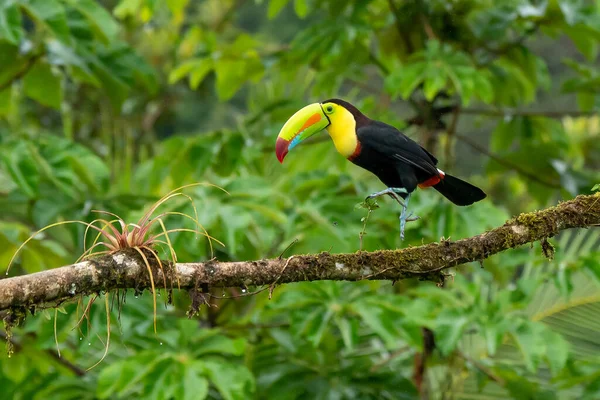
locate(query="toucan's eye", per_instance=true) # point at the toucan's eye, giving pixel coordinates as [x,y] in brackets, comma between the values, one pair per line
[329,109]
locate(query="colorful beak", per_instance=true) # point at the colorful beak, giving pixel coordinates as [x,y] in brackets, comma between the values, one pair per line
[302,125]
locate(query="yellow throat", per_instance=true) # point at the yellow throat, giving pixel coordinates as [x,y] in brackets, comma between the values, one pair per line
[342,129]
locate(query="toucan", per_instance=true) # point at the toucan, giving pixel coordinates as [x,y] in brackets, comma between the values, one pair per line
[398,161]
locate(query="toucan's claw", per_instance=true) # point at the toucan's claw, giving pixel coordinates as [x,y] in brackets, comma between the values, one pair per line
[403,221]
[412,217]
[394,193]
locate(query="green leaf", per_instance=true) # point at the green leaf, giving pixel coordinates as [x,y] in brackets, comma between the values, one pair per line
[521,388]
[177,7]
[233,381]
[591,263]
[449,328]
[505,133]
[165,383]
[518,76]
[59,54]
[596,188]
[379,321]
[123,376]
[217,343]
[89,170]
[434,83]
[586,84]
[586,101]
[115,87]
[405,80]
[493,337]
[572,11]
[51,15]
[19,165]
[530,342]
[347,330]
[47,172]
[313,324]
[195,386]
[301,8]
[232,74]
[317,325]
[11,61]
[563,280]
[6,101]
[275,7]
[127,8]
[297,299]
[100,20]
[42,85]
[483,87]
[585,40]
[491,23]
[10,22]
[110,379]
[532,10]
[196,69]
[198,74]
[557,351]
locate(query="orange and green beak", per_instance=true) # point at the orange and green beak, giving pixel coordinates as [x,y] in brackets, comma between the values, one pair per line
[302,125]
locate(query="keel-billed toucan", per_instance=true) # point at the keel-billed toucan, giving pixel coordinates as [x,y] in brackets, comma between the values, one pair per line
[399,162]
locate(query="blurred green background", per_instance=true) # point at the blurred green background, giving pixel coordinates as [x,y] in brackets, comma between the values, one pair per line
[110,104]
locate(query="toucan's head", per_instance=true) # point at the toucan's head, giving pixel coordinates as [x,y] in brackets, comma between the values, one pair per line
[334,115]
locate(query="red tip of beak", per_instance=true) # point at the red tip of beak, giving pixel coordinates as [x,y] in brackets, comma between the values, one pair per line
[281,148]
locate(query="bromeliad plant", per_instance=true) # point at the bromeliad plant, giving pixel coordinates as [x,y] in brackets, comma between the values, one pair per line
[117,235]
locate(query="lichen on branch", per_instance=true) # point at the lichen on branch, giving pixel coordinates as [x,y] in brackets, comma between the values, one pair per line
[126,269]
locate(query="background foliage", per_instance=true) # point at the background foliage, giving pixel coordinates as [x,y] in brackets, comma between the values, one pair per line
[110,104]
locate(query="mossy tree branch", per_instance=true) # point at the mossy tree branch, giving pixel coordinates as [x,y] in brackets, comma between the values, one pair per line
[126,269]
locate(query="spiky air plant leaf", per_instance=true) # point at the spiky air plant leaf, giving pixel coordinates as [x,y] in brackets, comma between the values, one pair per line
[117,235]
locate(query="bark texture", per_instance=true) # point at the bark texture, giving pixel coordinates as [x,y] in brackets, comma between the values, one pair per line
[126,269]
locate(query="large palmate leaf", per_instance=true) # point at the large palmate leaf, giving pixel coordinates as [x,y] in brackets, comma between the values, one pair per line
[440,67]
[572,335]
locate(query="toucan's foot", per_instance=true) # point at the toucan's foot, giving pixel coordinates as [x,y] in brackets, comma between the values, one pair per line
[405,217]
[394,193]
[412,217]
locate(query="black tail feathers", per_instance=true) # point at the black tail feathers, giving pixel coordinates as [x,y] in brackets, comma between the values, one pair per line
[458,191]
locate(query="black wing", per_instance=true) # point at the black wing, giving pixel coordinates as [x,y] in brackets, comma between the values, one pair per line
[393,144]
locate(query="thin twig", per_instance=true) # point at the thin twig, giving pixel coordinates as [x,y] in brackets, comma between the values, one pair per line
[405,38]
[533,113]
[451,132]
[287,248]
[365,219]
[256,326]
[427,28]
[28,65]
[237,296]
[227,15]
[485,370]
[506,47]
[375,60]
[272,286]
[391,357]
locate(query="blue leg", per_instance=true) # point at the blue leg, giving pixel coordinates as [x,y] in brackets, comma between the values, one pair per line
[396,193]
[404,217]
